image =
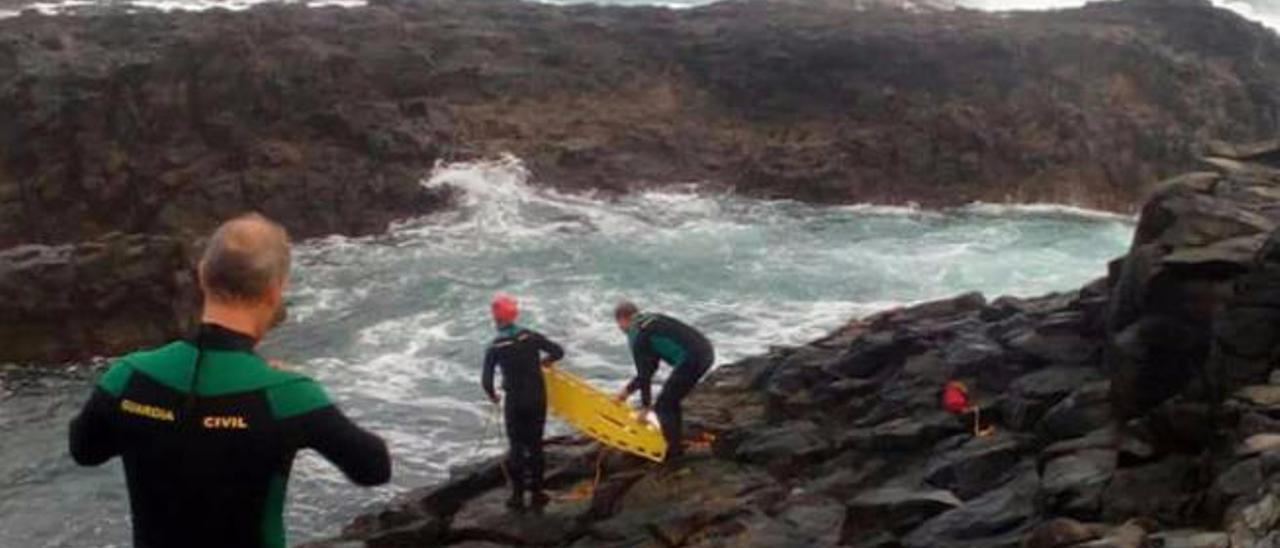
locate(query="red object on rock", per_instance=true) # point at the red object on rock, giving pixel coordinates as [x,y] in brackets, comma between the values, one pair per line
[505,308]
[955,398]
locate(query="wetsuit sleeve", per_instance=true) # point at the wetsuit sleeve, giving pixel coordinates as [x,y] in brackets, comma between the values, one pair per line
[91,437]
[320,425]
[646,365]
[360,454]
[554,352]
[486,378]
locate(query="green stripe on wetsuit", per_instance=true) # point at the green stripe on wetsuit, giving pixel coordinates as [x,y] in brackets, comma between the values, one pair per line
[669,350]
[665,347]
[296,398]
[223,372]
[273,533]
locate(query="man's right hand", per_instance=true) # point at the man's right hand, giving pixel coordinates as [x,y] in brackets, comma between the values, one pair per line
[494,399]
[641,414]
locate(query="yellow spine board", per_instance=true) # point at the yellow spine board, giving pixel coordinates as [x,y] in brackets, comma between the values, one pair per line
[595,413]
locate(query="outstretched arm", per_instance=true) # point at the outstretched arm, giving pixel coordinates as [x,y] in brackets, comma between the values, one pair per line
[361,455]
[314,422]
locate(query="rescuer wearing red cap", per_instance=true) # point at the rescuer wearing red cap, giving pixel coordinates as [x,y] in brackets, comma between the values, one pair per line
[520,353]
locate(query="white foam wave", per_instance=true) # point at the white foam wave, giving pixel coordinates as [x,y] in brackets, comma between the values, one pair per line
[909,210]
[396,324]
[1001,210]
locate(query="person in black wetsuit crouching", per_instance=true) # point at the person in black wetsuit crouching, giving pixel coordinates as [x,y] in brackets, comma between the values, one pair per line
[654,338]
[206,428]
[520,353]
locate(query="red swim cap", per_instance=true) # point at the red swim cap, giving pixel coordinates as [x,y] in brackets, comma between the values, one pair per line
[505,309]
[955,398]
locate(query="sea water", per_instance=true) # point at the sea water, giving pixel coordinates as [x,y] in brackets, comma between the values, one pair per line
[395,325]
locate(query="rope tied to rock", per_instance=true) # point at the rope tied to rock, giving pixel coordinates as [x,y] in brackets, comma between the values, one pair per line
[490,433]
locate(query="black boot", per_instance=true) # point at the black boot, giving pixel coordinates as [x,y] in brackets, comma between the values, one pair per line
[516,502]
[675,452]
[538,500]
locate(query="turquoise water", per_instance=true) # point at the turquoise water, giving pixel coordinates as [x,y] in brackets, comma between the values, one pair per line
[395,325]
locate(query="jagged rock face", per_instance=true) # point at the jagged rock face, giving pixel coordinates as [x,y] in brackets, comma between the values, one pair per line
[326,118]
[1194,312]
[1193,346]
[111,295]
[169,125]
[1190,313]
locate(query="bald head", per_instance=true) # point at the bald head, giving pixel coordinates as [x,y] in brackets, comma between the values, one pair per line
[246,260]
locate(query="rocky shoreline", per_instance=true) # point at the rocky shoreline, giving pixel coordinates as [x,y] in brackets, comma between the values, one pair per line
[150,127]
[1140,410]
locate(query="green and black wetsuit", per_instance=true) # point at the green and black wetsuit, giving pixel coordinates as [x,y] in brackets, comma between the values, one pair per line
[519,353]
[654,338]
[207,431]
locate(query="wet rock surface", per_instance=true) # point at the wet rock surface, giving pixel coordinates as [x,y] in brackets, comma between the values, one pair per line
[74,301]
[842,442]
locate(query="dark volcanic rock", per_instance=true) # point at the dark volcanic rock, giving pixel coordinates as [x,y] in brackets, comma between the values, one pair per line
[975,467]
[102,297]
[1085,410]
[1162,490]
[993,520]
[1031,395]
[152,123]
[1245,340]
[1191,539]
[1059,533]
[326,118]
[1190,312]
[1072,484]
[785,446]
[895,508]
[873,353]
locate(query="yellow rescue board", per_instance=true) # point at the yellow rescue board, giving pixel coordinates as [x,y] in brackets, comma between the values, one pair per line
[597,414]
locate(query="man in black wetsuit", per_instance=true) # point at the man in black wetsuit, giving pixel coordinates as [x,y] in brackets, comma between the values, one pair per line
[654,338]
[206,428]
[520,353]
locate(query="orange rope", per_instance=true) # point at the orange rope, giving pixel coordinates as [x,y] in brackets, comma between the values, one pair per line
[489,434]
[583,490]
